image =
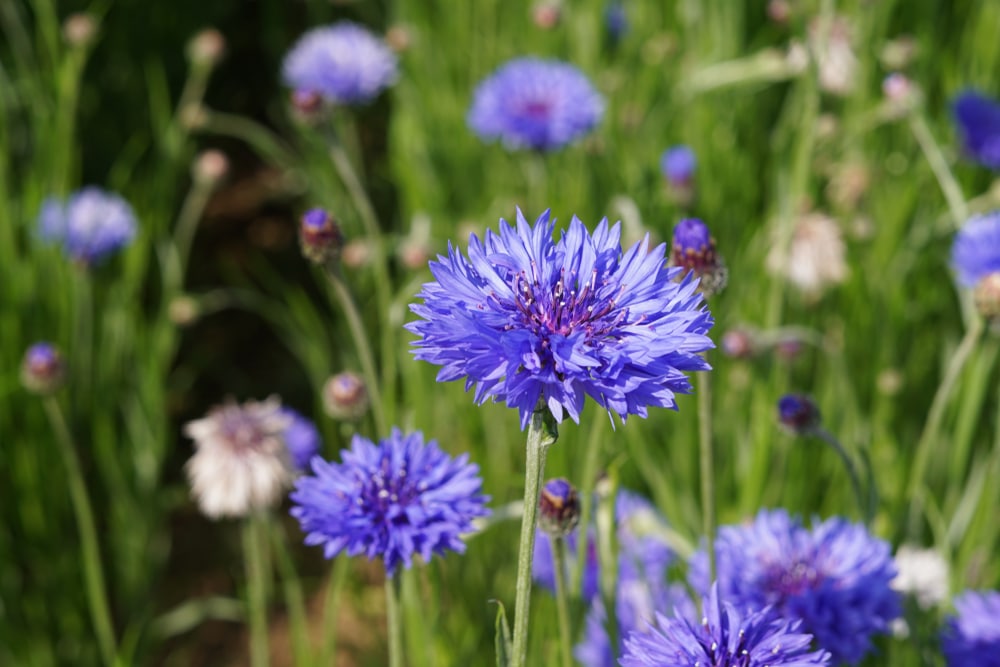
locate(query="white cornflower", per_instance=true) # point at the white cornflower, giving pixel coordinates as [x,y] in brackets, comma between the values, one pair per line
[814,258]
[923,573]
[241,462]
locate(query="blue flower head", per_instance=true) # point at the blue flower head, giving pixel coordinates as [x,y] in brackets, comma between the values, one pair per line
[390,500]
[535,322]
[975,253]
[43,370]
[91,225]
[798,413]
[724,637]
[343,62]
[534,103]
[972,637]
[978,119]
[835,577]
[678,164]
[301,438]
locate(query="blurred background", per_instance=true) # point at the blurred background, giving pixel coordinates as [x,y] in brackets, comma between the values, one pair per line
[134,103]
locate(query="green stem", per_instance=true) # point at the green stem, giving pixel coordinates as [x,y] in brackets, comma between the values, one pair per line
[294,597]
[357,328]
[939,165]
[707,464]
[394,622]
[363,205]
[562,602]
[253,554]
[933,423]
[539,440]
[334,586]
[93,572]
[852,472]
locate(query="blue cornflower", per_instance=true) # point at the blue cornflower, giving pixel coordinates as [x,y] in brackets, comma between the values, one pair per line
[723,638]
[538,323]
[978,119]
[90,225]
[975,253]
[534,103]
[835,577]
[43,369]
[799,414]
[392,500]
[678,164]
[972,637]
[343,62]
[615,20]
[301,438]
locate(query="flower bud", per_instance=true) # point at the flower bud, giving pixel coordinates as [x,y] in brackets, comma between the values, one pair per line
[320,236]
[43,370]
[210,167]
[558,508]
[184,310]
[678,164]
[345,396]
[399,38]
[79,30]
[206,48]
[798,414]
[546,15]
[694,250]
[739,344]
[307,105]
[987,297]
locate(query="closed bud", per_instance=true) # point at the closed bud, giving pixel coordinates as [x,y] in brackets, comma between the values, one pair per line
[694,249]
[558,508]
[79,30]
[399,38]
[987,297]
[210,167]
[546,15]
[739,344]
[307,105]
[345,396]
[320,236]
[798,414]
[42,370]
[206,48]
[183,310]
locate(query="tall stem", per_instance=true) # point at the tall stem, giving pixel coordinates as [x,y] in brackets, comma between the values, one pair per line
[852,472]
[933,423]
[562,602]
[394,622]
[939,165]
[93,571]
[253,554]
[707,464]
[539,440]
[334,587]
[357,328]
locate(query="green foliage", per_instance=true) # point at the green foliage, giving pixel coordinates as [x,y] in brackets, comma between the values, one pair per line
[713,74]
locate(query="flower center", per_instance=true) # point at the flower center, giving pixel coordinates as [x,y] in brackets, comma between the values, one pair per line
[790,581]
[537,109]
[388,492]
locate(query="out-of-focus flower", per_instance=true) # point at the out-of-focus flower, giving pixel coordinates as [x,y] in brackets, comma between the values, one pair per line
[975,252]
[534,103]
[399,38]
[558,508]
[922,573]
[392,500]
[539,323]
[838,65]
[241,463]
[849,184]
[615,20]
[779,11]
[546,14]
[898,90]
[987,297]
[678,164]
[978,119]
[320,236]
[42,370]
[301,438]
[642,551]
[739,343]
[834,577]
[798,413]
[345,396]
[693,249]
[972,636]
[91,225]
[343,62]
[814,258]
[724,637]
